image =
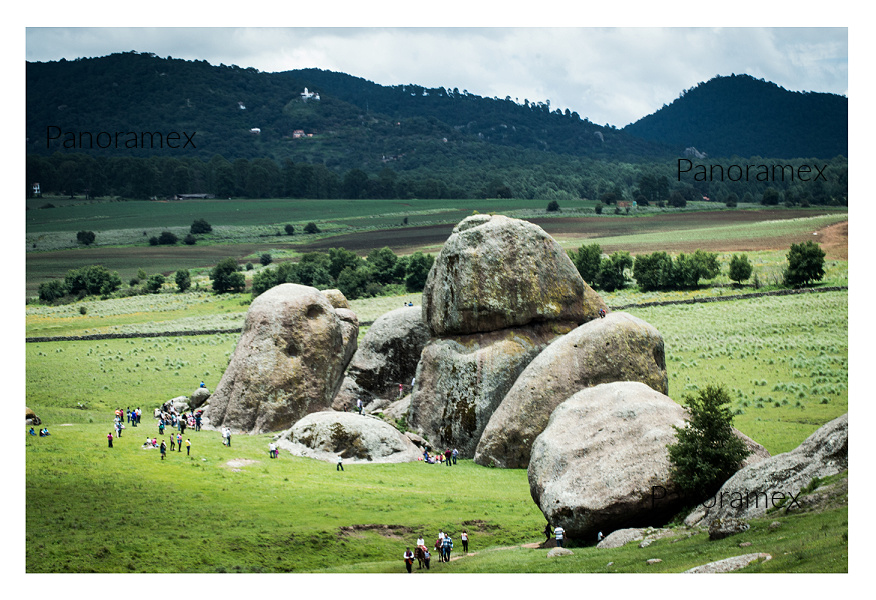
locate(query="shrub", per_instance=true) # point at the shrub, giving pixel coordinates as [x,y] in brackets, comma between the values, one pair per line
[611,274]
[653,271]
[706,452]
[553,206]
[154,283]
[311,228]
[731,200]
[200,226]
[83,310]
[183,280]
[587,260]
[92,280]
[417,271]
[85,237]
[49,291]
[153,241]
[167,238]
[265,259]
[226,277]
[249,266]
[740,268]
[598,209]
[805,264]
[676,200]
[189,240]
[289,229]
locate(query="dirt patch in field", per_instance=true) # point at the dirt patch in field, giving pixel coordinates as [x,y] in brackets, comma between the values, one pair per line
[834,240]
[394,532]
[481,525]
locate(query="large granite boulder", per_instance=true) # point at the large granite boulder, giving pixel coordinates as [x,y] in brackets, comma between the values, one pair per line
[778,480]
[619,347]
[289,361]
[356,438]
[387,356]
[462,379]
[199,397]
[601,463]
[494,272]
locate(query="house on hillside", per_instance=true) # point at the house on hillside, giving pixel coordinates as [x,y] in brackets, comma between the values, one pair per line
[308,95]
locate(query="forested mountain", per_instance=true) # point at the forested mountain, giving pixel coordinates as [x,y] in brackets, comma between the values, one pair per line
[743,116]
[355,123]
[134,125]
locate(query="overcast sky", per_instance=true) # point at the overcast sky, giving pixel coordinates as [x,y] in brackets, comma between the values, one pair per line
[609,75]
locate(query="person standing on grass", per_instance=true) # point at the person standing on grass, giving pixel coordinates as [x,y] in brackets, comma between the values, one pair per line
[454,454]
[559,535]
[464,537]
[340,466]
[229,437]
[197,421]
[448,546]
[172,442]
[109,438]
[178,443]
[427,557]
[188,447]
[409,559]
[163,449]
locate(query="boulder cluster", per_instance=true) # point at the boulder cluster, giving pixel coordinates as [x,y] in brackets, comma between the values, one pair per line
[512,359]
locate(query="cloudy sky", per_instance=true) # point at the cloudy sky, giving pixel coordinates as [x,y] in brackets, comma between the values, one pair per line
[609,75]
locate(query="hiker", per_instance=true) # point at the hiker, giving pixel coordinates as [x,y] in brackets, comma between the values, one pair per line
[601,313]
[163,449]
[178,443]
[109,438]
[359,405]
[426,557]
[224,436]
[198,421]
[464,537]
[447,457]
[340,466]
[272,449]
[172,442]
[188,447]
[455,454]
[448,546]
[409,559]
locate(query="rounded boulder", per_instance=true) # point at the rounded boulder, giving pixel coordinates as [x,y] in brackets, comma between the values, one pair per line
[494,272]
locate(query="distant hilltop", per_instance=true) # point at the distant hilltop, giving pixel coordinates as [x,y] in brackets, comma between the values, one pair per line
[347,122]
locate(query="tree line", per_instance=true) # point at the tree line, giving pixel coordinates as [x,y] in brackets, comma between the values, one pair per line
[658,271]
[459,175]
[381,273]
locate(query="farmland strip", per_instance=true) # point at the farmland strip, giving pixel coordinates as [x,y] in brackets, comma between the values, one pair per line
[116,336]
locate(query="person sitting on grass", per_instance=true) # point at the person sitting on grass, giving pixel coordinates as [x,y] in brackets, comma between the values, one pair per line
[31,432]
[44,432]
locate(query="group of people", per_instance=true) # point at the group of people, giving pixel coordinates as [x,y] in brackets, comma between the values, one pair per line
[448,457]
[443,546]
[43,432]
[226,436]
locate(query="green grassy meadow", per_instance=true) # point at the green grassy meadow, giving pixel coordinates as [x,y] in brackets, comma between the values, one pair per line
[89,508]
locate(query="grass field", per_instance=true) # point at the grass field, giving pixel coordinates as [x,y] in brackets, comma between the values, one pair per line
[226,510]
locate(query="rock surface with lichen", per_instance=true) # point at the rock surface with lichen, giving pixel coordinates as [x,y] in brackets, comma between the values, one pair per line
[494,272]
[355,438]
[462,379]
[288,362]
[619,347]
